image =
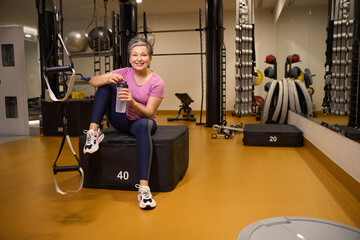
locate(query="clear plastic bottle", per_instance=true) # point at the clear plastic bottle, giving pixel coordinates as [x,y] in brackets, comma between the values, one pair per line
[120,105]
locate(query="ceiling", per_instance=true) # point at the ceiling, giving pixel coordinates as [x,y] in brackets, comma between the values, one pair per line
[23,12]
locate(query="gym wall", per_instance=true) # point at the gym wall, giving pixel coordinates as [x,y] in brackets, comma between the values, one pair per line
[180,73]
[183,74]
[264,43]
[32,69]
[298,31]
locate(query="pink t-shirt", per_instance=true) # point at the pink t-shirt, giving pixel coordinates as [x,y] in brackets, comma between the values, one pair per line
[154,87]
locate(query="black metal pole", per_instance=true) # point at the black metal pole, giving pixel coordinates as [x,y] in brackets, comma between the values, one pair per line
[145,26]
[47,26]
[214,42]
[128,15]
[354,116]
[202,68]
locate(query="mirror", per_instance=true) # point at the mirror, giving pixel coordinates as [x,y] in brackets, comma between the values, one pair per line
[301,29]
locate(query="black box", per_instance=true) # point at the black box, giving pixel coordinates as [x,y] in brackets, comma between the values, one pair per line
[115,164]
[277,135]
[78,114]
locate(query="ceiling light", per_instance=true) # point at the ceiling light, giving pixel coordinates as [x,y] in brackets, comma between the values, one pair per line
[300,236]
[30,30]
[28,35]
[139,1]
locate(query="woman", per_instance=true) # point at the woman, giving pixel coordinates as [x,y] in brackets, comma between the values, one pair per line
[143,97]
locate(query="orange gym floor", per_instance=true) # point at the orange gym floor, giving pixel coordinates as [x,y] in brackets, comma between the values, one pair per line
[227,187]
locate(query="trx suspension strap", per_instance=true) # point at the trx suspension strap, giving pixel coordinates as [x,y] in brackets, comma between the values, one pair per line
[70,168]
[49,94]
[51,97]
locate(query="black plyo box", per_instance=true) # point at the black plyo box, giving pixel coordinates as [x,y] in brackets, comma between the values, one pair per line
[78,114]
[277,135]
[115,164]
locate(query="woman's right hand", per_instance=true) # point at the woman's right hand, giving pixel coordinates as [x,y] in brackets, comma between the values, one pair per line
[107,78]
[114,78]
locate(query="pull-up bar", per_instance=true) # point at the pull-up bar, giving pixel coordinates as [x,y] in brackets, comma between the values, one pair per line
[200,30]
[177,54]
[172,31]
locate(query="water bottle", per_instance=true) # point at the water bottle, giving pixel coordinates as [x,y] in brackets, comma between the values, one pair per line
[120,105]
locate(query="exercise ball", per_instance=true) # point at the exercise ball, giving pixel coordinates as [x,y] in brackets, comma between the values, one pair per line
[258,78]
[308,77]
[270,59]
[269,72]
[267,86]
[311,91]
[295,58]
[295,72]
[76,41]
[104,39]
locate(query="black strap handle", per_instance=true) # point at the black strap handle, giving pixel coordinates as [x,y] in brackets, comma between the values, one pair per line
[70,168]
[58,69]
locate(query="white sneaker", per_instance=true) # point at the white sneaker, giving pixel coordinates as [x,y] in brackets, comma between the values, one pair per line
[145,198]
[93,138]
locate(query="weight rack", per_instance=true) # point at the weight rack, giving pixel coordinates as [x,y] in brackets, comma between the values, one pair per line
[341,76]
[245,56]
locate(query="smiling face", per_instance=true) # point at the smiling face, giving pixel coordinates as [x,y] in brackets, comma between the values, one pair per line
[140,58]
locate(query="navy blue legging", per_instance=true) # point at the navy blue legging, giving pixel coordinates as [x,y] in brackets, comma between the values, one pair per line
[141,129]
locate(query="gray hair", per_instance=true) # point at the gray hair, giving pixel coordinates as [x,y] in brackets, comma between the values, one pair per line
[139,41]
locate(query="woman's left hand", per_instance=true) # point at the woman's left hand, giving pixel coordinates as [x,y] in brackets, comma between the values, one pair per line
[126,96]
[143,111]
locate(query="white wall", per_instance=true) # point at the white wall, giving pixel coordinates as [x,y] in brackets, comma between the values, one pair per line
[32,69]
[182,73]
[264,43]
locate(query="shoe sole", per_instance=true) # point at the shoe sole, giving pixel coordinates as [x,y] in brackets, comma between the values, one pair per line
[145,207]
[91,150]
